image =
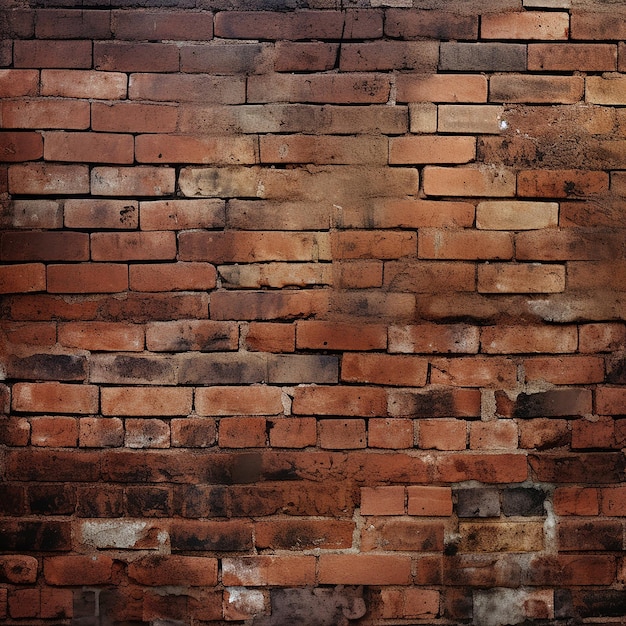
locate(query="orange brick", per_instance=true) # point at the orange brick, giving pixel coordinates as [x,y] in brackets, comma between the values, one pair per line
[200,335]
[565,370]
[280,571]
[146,401]
[78,570]
[442,434]
[390,433]
[431,149]
[83,84]
[434,338]
[613,501]
[340,336]
[544,433]
[429,501]
[98,336]
[53,397]
[16,83]
[132,181]
[520,339]
[364,569]
[610,400]
[146,433]
[88,278]
[172,277]
[54,432]
[493,435]
[304,56]
[339,400]
[466,181]
[195,571]
[48,179]
[342,434]
[110,214]
[605,337]
[373,244]
[516,215]
[486,468]
[101,432]
[441,88]
[270,337]
[561,183]
[572,57]
[421,276]
[133,117]
[177,88]
[242,432]
[22,278]
[181,214]
[474,372]
[142,246]
[384,369]
[293,432]
[476,119]
[576,501]
[88,147]
[391,534]
[192,149]
[357,274]
[20,146]
[526,25]
[410,603]
[251,400]
[521,278]
[536,89]
[464,244]
[370,56]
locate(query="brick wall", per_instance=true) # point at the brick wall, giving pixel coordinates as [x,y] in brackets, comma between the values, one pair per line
[312,314]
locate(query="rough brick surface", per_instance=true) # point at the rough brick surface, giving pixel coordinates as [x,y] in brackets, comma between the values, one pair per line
[312,314]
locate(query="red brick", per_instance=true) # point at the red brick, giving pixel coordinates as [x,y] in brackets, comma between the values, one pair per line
[342,434]
[146,433]
[141,246]
[234,58]
[56,603]
[304,56]
[298,25]
[340,336]
[88,147]
[68,570]
[100,336]
[416,24]
[580,569]
[604,337]
[576,501]
[17,569]
[83,84]
[132,181]
[193,149]
[54,432]
[410,603]
[587,434]
[87,278]
[364,569]
[52,54]
[576,535]
[420,56]
[390,433]
[34,214]
[536,89]
[402,534]
[24,603]
[48,179]
[493,435]
[193,432]
[353,88]
[72,24]
[172,277]
[200,335]
[572,57]
[251,400]
[182,214]
[133,117]
[242,432]
[434,338]
[429,501]
[382,369]
[16,83]
[429,276]
[339,400]
[157,571]
[519,339]
[44,246]
[434,402]
[441,88]
[566,370]
[22,278]
[602,25]
[154,25]
[427,149]
[101,432]
[373,244]
[153,401]
[522,278]
[525,25]
[474,372]
[611,401]
[52,397]
[20,146]
[544,433]
[293,432]
[466,181]
[486,468]
[38,334]
[606,467]
[298,534]
[383,500]
[187,88]
[464,244]
[280,571]
[110,214]
[442,434]
[135,57]
[561,183]
[357,274]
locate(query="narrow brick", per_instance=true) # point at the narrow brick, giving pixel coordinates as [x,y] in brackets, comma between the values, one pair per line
[22,278]
[464,244]
[434,402]
[53,54]
[572,57]
[42,114]
[133,117]
[501,537]
[312,334]
[561,183]
[460,118]
[182,214]
[264,570]
[251,400]
[44,246]
[441,88]
[466,181]
[120,56]
[384,369]
[302,56]
[434,338]
[516,215]
[402,534]
[87,278]
[53,397]
[233,58]
[364,569]
[431,149]
[154,24]
[172,277]
[594,25]
[342,434]
[88,147]
[482,57]
[110,214]
[200,335]
[521,278]
[101,336]
[485,467]
[520,339]
[340,400]
[525,25]
[83,84]
[302,368]
[48,179]
[536,89]
[132,181]
[473,372]
[34,213]
[429,276]
[416,24]
[72,24]
[152,401]
[140,246]
[194,571]
[187,88]
[131,369]
[418,56]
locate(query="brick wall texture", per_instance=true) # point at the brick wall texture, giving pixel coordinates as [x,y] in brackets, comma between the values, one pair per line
[313,312]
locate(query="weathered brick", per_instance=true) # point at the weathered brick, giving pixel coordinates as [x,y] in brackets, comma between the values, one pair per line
[429,501]
[519,339]
[55,432]
[53,54]
[251,400]
[132,181]
[565,370]
[22,278]
[134,117]
[24,603]
[339,400]
[501,536]
[48,178]
[464,244]
[487,468]
[525,25]
[342,336]
[154,24]
[479,181]
[113,214]
[98,432]
[431,149]
[420,56]
[604,25]
[88,147]
[425,276]
[34,214]
[522,278]
[402,534]
[172,277]
[83,84]
[574,535]
[434,338]
[606,467]
[101,336]
[441,88]
[342,434]
[254,571]
[44,536]
[473,372]
[561,183]
[576,501]
[304,56]
[135,57]
[415,24]
[536,89]
[434,402]
[482,57]
[493,435]
[193,432]
[226,58]
[16,146]
[293,432]
[384,369]
[200,335]
[572,57]
[442,434]
[299,534]
[87,278]
[72,24]
[186,88]
[181,214]
[16,83]
[17,569]
[78,570]
[194,571]
[53,397]
[152,401]
[364,569]
[516,215]
[222,369]
[390,433]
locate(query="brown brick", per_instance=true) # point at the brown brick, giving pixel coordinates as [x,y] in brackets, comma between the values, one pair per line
[135,57]
[281,571]
[242,432]
[466,181]
[110,214]
[193,432]
[303,534]
[611,401]
[580,569]
[434,402]
[44,246]
[487,468]
[102,336]
[34,214]
[587,434]
[54,432]
[415,24]
[536,89]
[24,603]
[364,569]
[87,278]
[604,25]
[501,537]
[195,571]
[575,536]
[410,603]
[52,54]
[304,56]
[133,117]
[442,434]
[270,337]
[383,500]
[441,88]
[88,147]
[482,57]
[402,534]
[72,24]
[576,501]
[20,146]
[53,397]
[544,433]
[384,369]
[431,149]
[344,401]
[200,335]
[521,278]
[342,434]
[146,433]
[419,56]
[525,25]
[16,83]
[429,276]
[187,88]
[251,400]
[151,401]
[181,214]
[22,278]
[83,84]
[603,337]
[233,58]
[464,244]
[473,372]
[48,179]
[572,57]
[17,569]
[520,339]
[357,274]
[434,338]
[78,570]
[565,370]
[154,25]
[132,181]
